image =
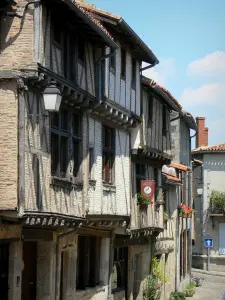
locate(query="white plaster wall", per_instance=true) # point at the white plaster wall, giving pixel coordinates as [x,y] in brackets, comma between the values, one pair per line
[213,179]
[114,199]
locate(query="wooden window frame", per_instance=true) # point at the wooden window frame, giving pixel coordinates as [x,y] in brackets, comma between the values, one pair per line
[133,73]
[150,110]
[123,63]
[59,133]
[164,120]
[88,262]
[91,161]
[140,175]
[81,45]
[108,154]
[112,62]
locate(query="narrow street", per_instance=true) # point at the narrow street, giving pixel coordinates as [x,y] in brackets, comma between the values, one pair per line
[213,288]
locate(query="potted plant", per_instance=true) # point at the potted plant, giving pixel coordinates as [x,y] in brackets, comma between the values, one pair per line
[177,296]
[197,281]
[190,289]
[142,200]
[151,288]
[185,211]
[217,202]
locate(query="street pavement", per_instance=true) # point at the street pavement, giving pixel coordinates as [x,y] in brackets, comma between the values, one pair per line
[213,288]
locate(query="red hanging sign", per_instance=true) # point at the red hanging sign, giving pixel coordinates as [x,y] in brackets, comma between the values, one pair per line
[148,189]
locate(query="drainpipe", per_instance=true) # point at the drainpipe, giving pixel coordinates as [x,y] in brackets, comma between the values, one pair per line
[99,67]
[177,238]
[57,258]
[20,16]
[190,193]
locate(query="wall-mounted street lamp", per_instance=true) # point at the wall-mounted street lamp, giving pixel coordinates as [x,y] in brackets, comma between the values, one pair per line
[52,97]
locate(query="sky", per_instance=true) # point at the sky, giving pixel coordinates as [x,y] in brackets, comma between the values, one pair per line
[188,38]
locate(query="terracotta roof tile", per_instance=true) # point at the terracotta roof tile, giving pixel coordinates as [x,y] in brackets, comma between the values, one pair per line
[92,8]
[172,178]
[82,7]
[152,82]
[179,166]
[216,148]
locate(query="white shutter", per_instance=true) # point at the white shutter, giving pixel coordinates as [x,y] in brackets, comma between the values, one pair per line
[222,238]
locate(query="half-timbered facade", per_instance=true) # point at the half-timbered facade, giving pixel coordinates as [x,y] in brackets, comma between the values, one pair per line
[66,188]
[45,183]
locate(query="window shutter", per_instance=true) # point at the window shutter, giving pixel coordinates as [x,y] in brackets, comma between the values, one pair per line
[222,238]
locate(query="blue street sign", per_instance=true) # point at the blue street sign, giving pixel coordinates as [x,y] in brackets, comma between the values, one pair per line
[208,242]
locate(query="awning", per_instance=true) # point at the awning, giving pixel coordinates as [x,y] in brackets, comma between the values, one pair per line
[197,162]
[172,180]
[179,166]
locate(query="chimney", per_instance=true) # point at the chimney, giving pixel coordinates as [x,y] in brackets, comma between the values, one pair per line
[202,132]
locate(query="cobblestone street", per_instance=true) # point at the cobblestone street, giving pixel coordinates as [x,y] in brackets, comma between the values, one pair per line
[213,288]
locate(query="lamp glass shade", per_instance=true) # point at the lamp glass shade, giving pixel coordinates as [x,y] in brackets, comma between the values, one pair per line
[52,97]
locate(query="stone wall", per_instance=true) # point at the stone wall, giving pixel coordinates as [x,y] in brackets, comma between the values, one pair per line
[16,39]
[8,144]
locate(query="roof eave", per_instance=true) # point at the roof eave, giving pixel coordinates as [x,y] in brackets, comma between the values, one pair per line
[169,101]
[152,58]
[92,24]
[208,152]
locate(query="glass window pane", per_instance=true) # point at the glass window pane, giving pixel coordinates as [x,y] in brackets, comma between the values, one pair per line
[64,119]
[63,155]
[55,119]
[76,157]
[54,153]
[76,125]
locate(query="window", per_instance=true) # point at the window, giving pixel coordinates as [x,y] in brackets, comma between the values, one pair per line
[57,32]
[164,120]
[81,50]
[133,83]
[150,110]
[108,156]
[62,136]
[140,175]
[119,268]
[69,56]
[91,161]
[88,259]
[113,62]
[123,63]
[156,177]
[221,238]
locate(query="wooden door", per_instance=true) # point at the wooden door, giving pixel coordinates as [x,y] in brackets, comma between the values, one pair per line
[29,275]
[4,267]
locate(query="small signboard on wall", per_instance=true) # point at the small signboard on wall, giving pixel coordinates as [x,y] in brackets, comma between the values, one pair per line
[148,189]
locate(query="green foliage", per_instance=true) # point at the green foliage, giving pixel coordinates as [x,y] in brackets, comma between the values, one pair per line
[142,200]
[165,216]
[153,283]
[157,270]
[178,296]
[190,289]
[151,289]
[217,201]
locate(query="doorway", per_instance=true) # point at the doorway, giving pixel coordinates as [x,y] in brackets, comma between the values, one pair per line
[4,269]
[29,274]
